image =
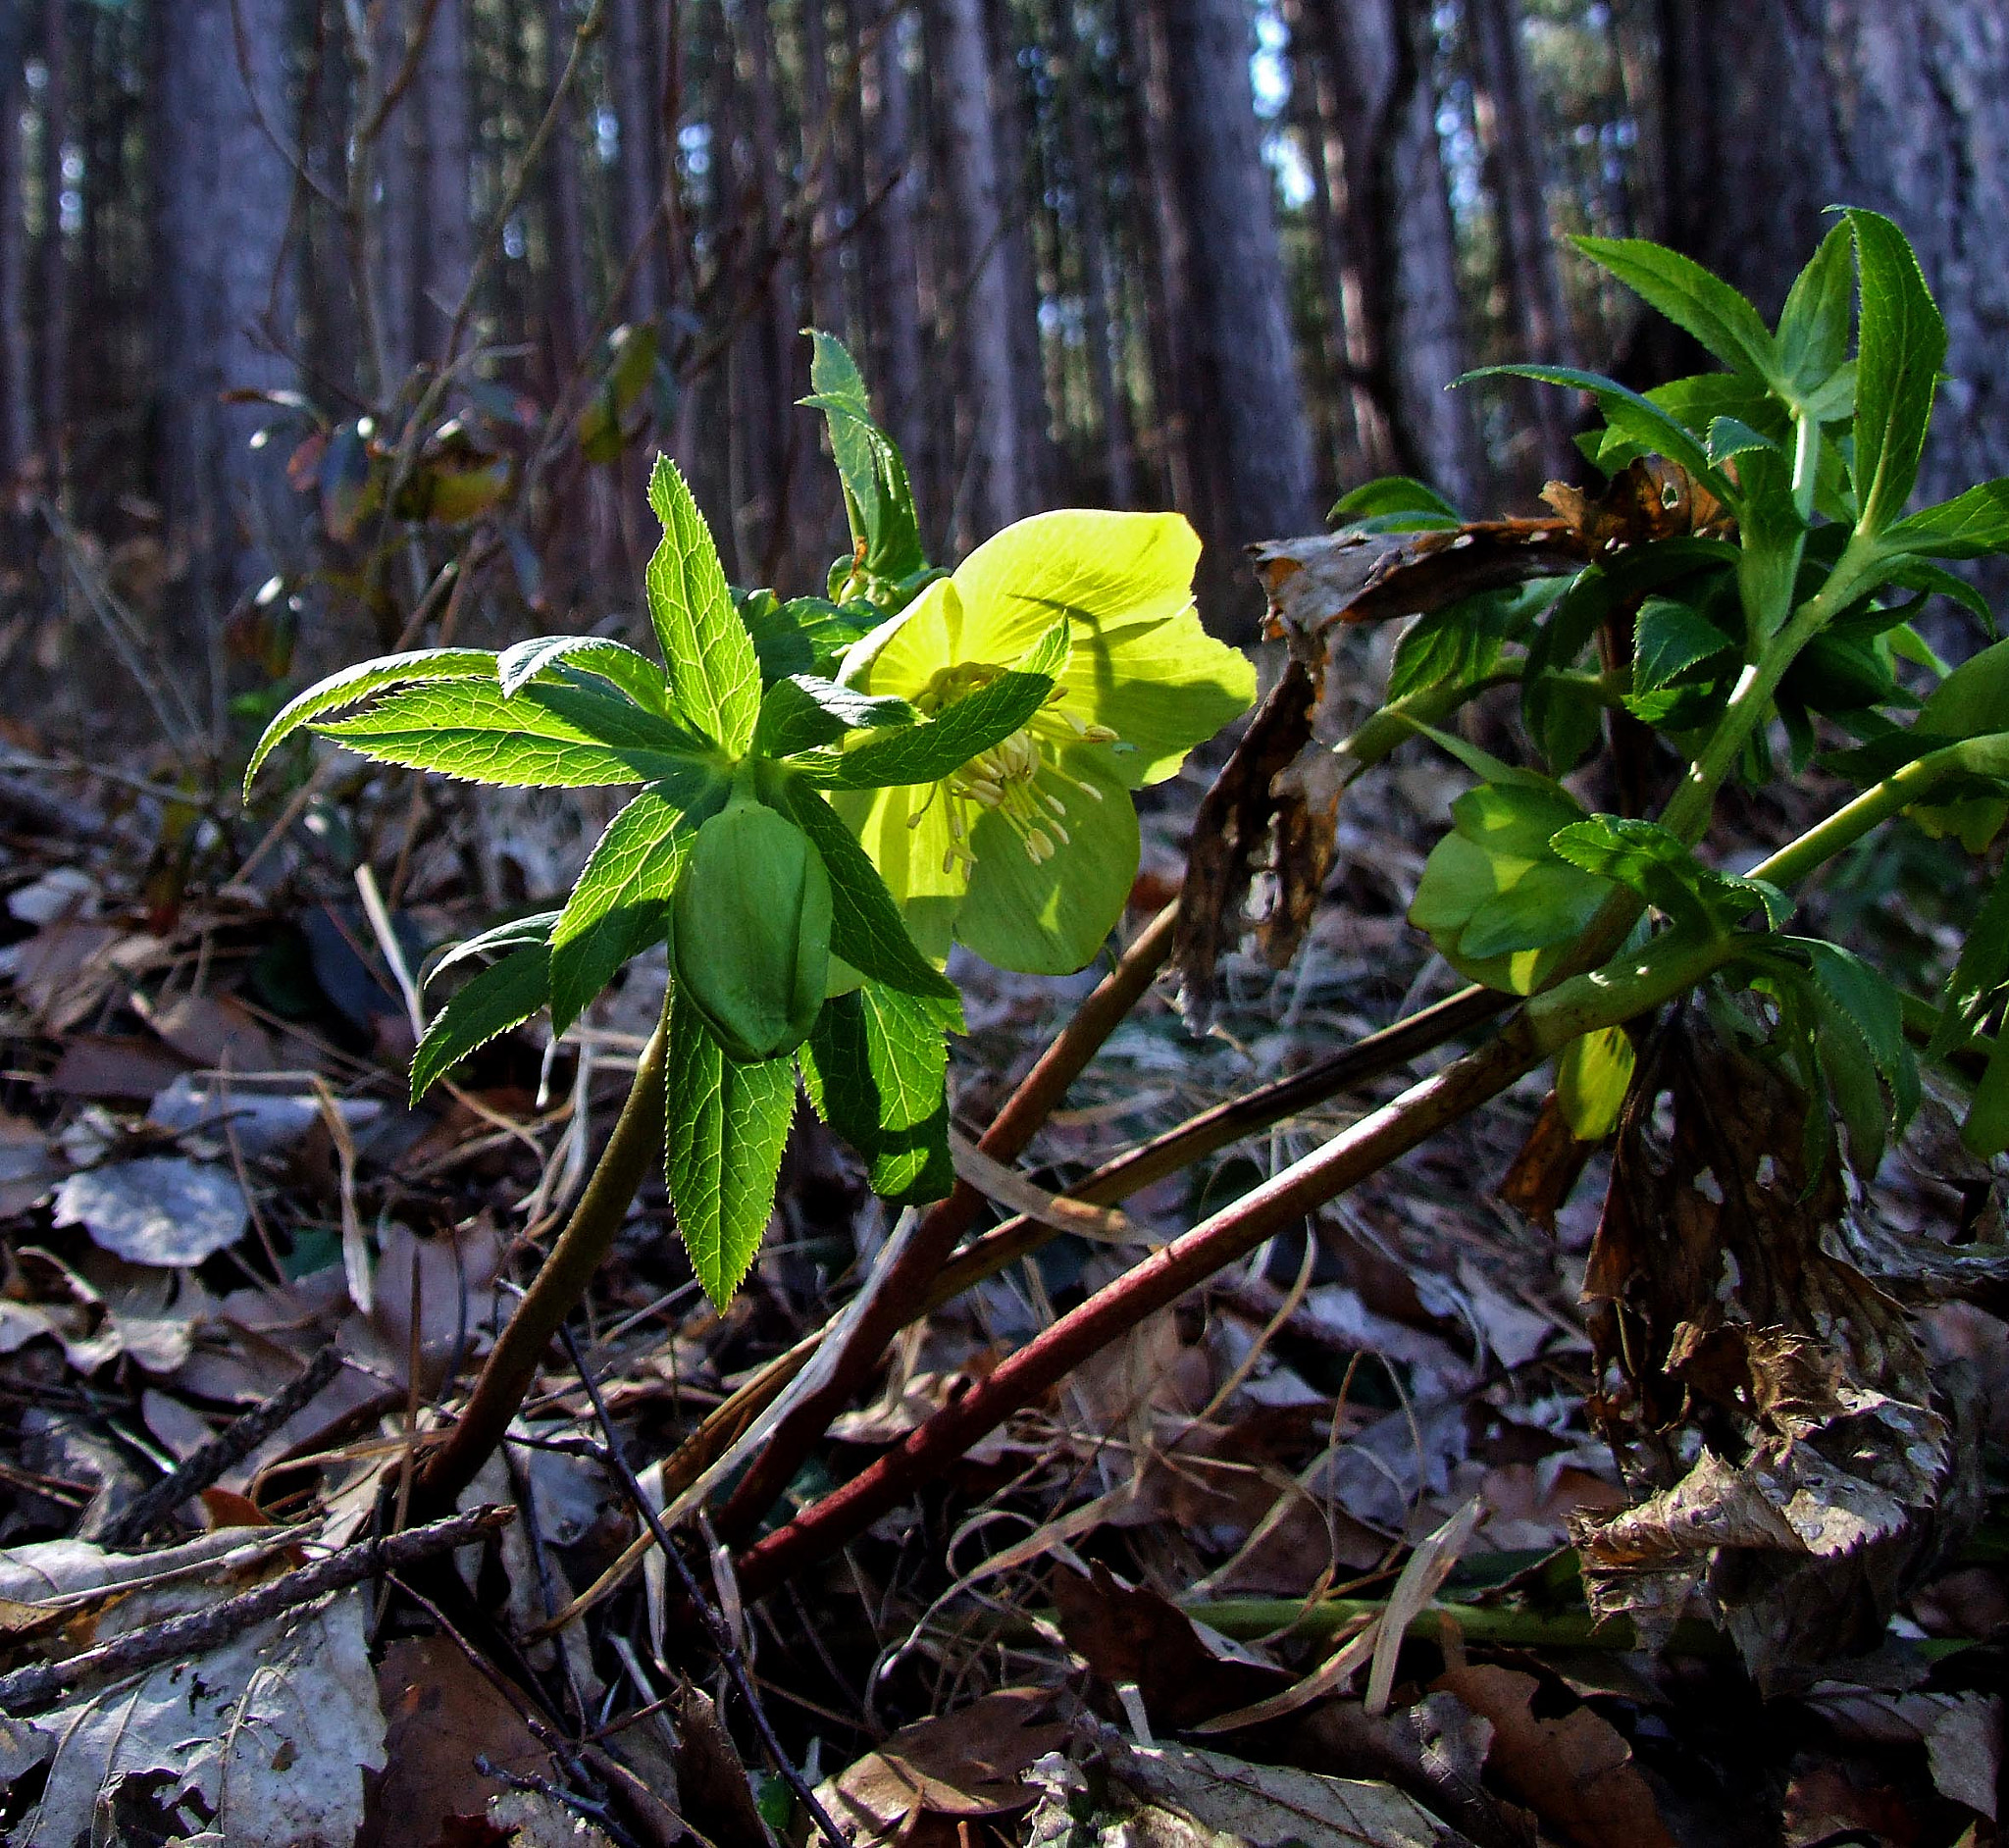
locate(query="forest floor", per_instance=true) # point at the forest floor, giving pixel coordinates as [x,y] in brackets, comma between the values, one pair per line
[1292,1564]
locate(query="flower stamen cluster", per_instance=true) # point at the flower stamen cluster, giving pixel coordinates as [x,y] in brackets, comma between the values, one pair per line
[1006,780]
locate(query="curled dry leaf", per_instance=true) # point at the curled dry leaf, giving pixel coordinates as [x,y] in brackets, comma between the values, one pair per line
[1829,1477]
[966,1763]
[1175,1797]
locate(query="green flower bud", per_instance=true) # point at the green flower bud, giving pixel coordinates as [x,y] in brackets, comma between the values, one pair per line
[752,936]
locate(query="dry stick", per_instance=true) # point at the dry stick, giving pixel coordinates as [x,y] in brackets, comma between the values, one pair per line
[715,1626]
[899,1290]
[26,1690]
[1155,1284]
[1367,1059]
[634,1149]
[227,1448]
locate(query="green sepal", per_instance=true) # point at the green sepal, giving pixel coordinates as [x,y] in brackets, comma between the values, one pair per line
[1593,1073]
[865,928]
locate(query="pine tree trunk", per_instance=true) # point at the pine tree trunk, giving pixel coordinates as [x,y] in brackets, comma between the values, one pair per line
[16,416]
[893,276]
[1773,111]
[1100,319]
[220,221]
[568,314]
[439,118]
[1406,337]
[1519,171]
[1253,443]
[55,254]
[989,450]
[1019,192]
[638,106]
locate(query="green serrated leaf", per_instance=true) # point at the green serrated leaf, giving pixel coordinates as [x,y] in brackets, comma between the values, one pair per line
[877,496]
[1985,1127]
[939,747]
[864,923]
[1390,501]
[1646,858]
[1973,525]
[806,635]
[876,1070]
[1732,437]
[1813,329]
[1984,966]
[1900,346]
[1672,641]
[516,933]
[727,1126]
[1857,1003]
[1633,417]
[544,737]
[493,1001]
[360,681]
[634,673]
[1698,302]
[714,674]
[620,904]
[805,712]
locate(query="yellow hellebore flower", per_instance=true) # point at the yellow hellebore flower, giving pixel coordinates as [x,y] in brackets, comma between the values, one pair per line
[1028,853]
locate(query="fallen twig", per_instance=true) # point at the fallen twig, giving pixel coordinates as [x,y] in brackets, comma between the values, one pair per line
[42,1684]
[226,1449]
[723,1641]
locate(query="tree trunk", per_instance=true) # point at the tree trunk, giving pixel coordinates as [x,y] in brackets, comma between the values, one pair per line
[1772,111]
[638,107]
[439,116]
[569,315]
[1255,451]
[1517,167]
[221,220]
[55,252]
[1100,319]
[1406,337]
[17,419]
[892,265]
[989,450]
[1020,191]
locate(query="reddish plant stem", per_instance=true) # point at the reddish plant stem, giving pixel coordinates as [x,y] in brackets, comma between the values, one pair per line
[898,1293]
[1156,1283]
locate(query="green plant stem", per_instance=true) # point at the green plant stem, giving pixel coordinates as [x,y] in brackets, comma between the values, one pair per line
[632,1149]
[1984,756]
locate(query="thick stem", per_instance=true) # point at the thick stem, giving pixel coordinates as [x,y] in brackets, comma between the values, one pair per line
[899,1292]
[634,1147]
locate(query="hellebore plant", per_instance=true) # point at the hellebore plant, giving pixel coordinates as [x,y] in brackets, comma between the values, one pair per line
[1008,712]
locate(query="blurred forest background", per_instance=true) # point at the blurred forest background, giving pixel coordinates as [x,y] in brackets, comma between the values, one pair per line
[337,321]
